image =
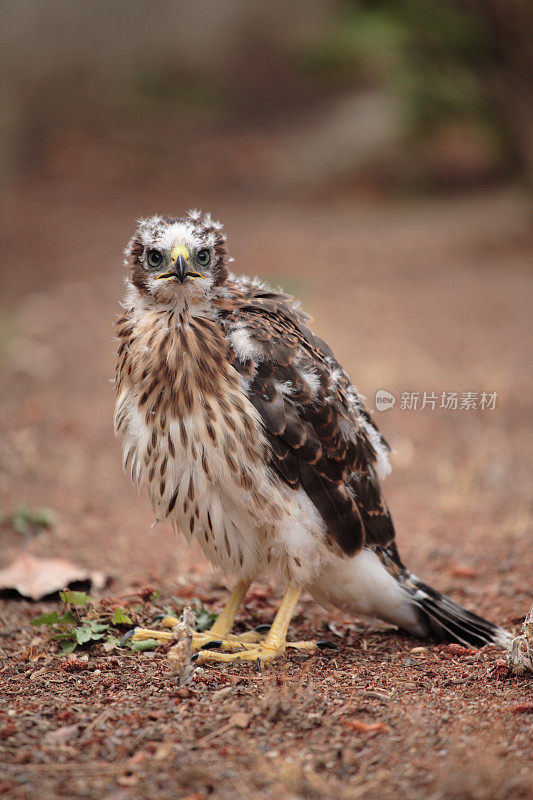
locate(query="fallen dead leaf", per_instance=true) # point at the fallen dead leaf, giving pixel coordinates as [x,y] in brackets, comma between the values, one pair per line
[365,727]
[180,653]
[36,577]
[520,656]
[37,673]
[463,572]
[31,653]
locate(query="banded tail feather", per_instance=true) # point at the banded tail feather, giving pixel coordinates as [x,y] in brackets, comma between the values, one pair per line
[449,621]
[368,586]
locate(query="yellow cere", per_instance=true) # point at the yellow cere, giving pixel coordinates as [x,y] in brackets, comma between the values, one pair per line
[179,250]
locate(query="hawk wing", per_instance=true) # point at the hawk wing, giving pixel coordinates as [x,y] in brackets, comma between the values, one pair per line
[321,434]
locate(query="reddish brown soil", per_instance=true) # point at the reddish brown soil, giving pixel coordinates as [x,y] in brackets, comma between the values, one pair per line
[424,296]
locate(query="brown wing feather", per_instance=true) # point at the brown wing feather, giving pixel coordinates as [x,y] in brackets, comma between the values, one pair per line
[311,414]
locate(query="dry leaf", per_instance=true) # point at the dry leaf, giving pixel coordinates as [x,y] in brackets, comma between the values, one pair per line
[36,577]
[37,673]
[520,656]
[365,727]
[461,571]
[31,654]
[180,654]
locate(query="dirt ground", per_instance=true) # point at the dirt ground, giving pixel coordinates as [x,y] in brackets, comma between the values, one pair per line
[422,295]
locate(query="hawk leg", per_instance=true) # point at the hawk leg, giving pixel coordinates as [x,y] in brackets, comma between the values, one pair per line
[219,632]
[275,643]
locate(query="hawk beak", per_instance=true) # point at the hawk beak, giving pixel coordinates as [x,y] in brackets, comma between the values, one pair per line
[180,267]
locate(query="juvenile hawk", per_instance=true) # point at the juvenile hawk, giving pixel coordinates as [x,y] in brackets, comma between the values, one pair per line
[250,438]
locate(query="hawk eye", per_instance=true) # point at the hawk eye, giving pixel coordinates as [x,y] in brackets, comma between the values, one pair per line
[203,257]
[154,258]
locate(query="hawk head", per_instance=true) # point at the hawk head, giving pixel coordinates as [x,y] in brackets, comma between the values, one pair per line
[177,259]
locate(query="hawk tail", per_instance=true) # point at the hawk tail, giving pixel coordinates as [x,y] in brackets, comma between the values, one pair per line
[449,621]
[368,586]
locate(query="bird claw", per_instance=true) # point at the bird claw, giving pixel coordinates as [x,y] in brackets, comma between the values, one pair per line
[212,645]
[127,636]
[259,654]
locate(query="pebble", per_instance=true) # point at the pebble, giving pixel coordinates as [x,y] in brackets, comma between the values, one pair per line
[222,694]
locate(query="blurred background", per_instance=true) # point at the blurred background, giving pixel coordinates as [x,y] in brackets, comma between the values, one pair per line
[399,94]
[374,158]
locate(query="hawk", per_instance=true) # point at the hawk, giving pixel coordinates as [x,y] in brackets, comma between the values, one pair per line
[250,438]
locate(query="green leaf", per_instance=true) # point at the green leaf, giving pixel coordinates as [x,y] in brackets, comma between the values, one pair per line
[90,631]
[53,620]
[24,519]
[204,618]
[68,647]
[66,620]
[112,642]
[120,617]
[98,627]
[144,644]
[83,635]
[46,619]
[74,598]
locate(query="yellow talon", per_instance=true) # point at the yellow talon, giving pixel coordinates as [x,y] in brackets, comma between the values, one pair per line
[275,643]
[260,652]
[146,633]
[169,622]
[201,639]
[230,647]
[229,642]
